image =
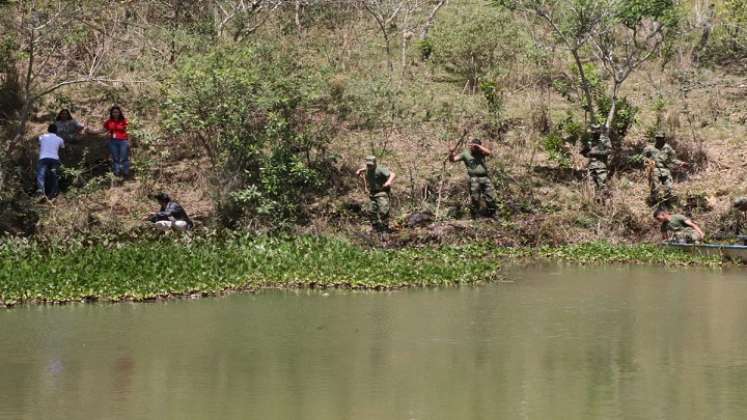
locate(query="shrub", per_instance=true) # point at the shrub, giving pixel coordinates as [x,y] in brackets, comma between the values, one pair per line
[470,42]
[251,110]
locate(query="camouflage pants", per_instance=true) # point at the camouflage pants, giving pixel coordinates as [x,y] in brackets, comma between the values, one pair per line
[380,210]
[482,187]
[661,184]
[598,173]
[687,236]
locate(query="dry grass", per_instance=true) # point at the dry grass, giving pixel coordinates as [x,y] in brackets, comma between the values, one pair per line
[709,119]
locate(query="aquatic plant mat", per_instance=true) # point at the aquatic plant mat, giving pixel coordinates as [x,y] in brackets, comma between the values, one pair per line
[32,273]
[162,269]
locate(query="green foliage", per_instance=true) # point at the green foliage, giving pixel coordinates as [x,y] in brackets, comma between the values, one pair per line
[251,111]
[625,116]
[727,43]
[494,97]
[632,13]
[32,273]
[557,143]
[606,253]
[10,89]
[372,103]
[473,41]
[425,48]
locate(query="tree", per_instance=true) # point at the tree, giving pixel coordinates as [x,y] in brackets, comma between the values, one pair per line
[617,36]
[48,58]
[384,13]
[404,16]
[469,43]
[250,111]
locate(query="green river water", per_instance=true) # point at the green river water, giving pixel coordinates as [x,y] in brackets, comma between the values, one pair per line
[554,343]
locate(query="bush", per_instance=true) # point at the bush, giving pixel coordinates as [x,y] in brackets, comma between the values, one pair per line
[727,43]
[472,42]
[251,111]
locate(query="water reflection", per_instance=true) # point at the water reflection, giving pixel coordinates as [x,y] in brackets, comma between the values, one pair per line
[632,343]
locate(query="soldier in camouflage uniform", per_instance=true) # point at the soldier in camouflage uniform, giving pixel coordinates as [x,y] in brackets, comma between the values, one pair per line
[379,182]
[678,228]
[480,185]
[661,159]
[740,204]
[597,150]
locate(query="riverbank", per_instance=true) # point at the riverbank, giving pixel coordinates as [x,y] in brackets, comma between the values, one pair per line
[188,267]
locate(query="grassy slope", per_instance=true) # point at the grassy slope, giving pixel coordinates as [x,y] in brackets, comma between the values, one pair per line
[553,211]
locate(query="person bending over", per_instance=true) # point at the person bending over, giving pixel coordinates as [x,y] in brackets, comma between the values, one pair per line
[171,215]
[48,166]
[678,228]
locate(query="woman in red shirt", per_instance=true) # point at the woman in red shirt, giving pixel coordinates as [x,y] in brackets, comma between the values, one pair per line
[119,145]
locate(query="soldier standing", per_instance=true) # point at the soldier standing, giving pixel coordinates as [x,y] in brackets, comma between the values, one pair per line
[379,182]
[480,184]
[597,150]
[661,159]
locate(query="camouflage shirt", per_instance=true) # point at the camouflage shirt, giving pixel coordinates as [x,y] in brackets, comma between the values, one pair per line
[601,148]
[376,179]
[665,158]
[475,163]
[677,224]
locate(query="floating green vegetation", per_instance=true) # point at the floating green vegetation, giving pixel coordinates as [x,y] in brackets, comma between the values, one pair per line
[165,268]
[605,253]
[150,270]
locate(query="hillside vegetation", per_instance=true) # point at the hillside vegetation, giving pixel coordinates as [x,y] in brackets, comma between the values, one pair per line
[256,114]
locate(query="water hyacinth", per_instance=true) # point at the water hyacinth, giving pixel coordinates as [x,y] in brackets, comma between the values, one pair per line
[203,266]
[150,270]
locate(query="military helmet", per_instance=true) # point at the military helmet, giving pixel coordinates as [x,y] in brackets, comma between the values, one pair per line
[371,160]
[660,135]
[475,140]
[595,128]
[740,203]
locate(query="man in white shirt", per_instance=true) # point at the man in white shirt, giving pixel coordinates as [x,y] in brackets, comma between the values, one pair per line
[49,163]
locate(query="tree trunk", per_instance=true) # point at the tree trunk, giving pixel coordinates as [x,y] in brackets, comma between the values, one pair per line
[585,88]
[389,65]
[705,35]
[431,18]
[299,8]
[404,54]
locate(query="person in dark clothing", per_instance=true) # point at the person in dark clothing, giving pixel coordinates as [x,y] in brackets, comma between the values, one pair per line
[171,215]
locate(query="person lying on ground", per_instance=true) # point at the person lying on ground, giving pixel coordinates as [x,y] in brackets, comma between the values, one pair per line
[48,165]
[678,228]
[171,215]
[67,127]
